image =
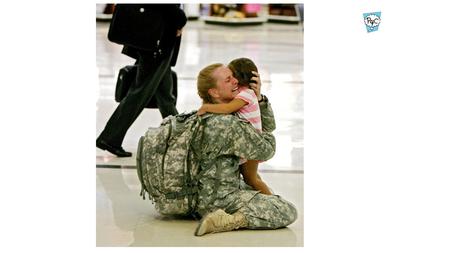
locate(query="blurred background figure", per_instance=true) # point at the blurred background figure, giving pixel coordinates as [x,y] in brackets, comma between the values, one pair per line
[155,50]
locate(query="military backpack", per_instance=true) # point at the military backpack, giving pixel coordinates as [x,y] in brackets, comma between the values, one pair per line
[167,166]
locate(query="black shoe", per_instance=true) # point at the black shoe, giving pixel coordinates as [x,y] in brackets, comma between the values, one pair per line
[118,151]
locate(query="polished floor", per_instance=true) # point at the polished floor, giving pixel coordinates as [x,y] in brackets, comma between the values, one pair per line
[123,218]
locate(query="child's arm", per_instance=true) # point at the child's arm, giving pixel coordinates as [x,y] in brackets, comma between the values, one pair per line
[233,106]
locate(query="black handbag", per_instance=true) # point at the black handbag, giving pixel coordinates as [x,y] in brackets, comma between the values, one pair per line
[127,76]
[125,79]
[137,25]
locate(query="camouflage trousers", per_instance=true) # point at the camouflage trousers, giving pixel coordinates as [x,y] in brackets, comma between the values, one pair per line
[268,212]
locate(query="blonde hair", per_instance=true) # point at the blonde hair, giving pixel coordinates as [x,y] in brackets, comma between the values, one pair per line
[206,81]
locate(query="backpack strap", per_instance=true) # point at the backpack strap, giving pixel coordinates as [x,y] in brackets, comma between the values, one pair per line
[181,194]
[197,178]
[139,166]
[192,183]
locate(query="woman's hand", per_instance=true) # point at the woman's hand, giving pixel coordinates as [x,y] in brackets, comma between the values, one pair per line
[179,32]
[256,87]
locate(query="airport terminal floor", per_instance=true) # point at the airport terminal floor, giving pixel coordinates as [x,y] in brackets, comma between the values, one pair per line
[123,218]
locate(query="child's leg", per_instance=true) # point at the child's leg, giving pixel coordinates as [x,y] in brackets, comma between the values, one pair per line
[250,173]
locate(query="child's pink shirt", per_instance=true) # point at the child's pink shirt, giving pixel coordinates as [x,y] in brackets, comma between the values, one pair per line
[250,111]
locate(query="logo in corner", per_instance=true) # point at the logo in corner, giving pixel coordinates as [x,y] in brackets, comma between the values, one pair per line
[372,21]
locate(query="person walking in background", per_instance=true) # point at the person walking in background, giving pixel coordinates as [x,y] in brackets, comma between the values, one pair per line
[153,60]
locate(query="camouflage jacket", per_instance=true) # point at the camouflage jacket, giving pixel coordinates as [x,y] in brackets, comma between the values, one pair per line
[225,139]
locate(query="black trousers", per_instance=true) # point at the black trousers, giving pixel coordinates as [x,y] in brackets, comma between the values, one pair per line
[153,79]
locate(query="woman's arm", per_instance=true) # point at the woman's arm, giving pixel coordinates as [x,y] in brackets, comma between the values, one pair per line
[233,106]
[246,142]
[267,117]
[241,139]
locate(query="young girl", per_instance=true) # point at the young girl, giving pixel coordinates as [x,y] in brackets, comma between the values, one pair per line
[246,105]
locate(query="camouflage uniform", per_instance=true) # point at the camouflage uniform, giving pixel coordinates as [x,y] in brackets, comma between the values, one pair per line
[225,139]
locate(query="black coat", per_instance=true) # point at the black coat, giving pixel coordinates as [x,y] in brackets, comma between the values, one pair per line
[148,29]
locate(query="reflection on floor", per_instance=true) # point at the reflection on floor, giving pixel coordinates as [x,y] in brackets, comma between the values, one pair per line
[123,218]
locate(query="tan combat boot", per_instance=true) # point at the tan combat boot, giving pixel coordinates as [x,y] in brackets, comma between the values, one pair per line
[220,221]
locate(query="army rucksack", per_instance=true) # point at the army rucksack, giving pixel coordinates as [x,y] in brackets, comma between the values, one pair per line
[167,167]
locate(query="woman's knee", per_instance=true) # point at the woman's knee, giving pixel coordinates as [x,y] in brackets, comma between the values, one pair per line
[292,212]
[287,210]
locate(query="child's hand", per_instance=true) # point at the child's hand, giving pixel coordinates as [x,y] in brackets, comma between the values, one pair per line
[256,87]
[201,111]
